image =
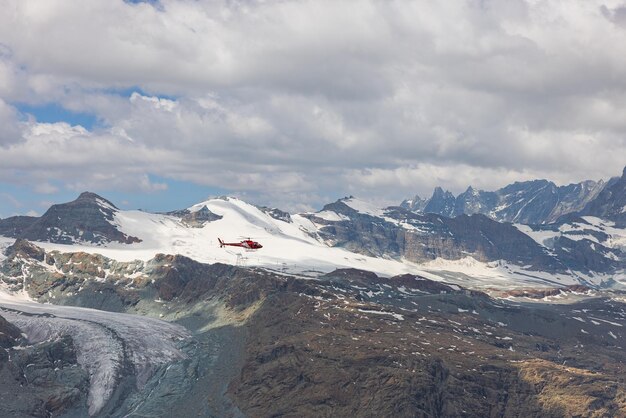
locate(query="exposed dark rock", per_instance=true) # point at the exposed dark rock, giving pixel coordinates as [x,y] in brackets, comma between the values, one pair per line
[611,202]
[413,282]
[354,276]
[9,335]
[441,202]
[433,236]
[349,344]
[89,218]
[545,292]
[368,280]
[340,356]
[196,219]
[415,204]
[43,381]
[14,225]
[181,277]
[24,248]
[585,255]
[528,202]
[276,214]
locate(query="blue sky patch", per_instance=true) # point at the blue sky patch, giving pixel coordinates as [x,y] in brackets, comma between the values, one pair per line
[21,200]
[54,112]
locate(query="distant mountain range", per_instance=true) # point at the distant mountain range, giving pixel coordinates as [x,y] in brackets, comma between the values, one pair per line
[586,245]
[529,202]
[350,310]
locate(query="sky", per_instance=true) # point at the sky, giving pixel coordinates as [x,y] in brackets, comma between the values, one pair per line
[295,103]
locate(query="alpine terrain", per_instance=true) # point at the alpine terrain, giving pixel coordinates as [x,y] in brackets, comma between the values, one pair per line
[488,304]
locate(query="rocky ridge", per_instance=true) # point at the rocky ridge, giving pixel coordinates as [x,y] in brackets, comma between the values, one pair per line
[347,343]
[528,202]
[610,203]
[399,233]
[90,218]
[393,233]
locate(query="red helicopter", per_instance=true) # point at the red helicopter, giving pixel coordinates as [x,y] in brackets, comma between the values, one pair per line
[246,243]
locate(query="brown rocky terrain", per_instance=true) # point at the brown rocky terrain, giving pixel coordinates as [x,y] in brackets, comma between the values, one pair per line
[336,356]
[347,343]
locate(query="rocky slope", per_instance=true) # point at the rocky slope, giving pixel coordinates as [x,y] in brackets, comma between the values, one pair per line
[529,202]
[42,380]
[119,364]
[399,233]
[197,218]
[348,343]
[356,345]
[90,218]
[337,236]
[610,203]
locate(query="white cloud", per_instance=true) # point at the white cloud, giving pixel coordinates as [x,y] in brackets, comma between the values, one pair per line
[9,124]
[314,98]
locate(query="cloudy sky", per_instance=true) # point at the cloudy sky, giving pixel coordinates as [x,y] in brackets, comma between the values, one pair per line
[295,103]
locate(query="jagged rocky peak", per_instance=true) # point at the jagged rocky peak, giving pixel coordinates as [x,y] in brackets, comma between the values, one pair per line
[474,201]
[527,202]
[439,193]
[610,203]
[441,202]
[415,204]
[204,214]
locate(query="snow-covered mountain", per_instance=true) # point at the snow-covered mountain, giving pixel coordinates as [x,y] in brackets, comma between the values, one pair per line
[188,333]
[347,233]
[528,202]
[421,238]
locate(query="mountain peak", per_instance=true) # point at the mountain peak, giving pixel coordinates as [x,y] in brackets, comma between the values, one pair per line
[88,195]
[93,197]
[441,202]
[439,192]
[89,218]
[437,189]
[610,202]
[472,191]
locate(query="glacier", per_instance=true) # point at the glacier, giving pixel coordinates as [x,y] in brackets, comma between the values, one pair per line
[109,345]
